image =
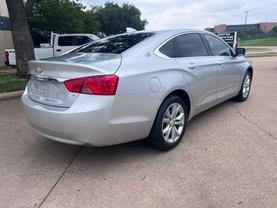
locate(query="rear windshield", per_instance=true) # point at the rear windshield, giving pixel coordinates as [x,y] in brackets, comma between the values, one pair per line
[115,44]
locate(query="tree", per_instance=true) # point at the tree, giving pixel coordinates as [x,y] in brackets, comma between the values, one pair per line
[251,34]
[274,29]
[22,39]
[29,6]
[61,16]
[67,16]
[91,24]
[131,17]
[114,18]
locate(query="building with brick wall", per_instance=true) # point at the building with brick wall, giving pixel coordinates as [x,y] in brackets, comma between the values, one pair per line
[5,31]
[265,27]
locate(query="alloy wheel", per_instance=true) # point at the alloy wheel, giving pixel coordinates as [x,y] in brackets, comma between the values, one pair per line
[246,86]
[173,123]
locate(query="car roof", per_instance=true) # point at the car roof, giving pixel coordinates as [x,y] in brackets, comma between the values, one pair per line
[170,32]
[177,30]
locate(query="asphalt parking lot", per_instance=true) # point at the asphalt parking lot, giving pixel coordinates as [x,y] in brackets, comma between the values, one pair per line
[228,158]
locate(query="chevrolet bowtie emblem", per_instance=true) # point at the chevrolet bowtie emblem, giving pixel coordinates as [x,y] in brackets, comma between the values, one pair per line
[38,71]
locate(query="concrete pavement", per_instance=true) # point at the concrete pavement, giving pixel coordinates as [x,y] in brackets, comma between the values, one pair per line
[228,158]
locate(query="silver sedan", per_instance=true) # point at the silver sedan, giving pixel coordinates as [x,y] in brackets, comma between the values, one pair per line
[134,86]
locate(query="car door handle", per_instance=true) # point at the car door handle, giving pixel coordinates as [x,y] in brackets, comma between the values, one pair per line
[192,66]
[58,50]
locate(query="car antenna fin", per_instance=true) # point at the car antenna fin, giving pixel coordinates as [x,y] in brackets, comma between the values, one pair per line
[130,30]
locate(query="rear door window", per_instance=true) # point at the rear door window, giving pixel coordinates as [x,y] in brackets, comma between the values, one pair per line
[188,45]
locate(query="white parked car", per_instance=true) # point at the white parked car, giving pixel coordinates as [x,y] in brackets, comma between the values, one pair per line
[59,44]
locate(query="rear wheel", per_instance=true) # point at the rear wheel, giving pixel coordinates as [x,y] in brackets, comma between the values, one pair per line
[170,124]
[245,88]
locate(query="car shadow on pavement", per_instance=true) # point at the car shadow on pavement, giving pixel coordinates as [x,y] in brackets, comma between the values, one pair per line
[142,144]
[108,163]
[141,148]
[129,151]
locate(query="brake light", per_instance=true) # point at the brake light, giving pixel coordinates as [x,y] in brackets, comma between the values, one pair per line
[97,85]
[7,55]
[75,85]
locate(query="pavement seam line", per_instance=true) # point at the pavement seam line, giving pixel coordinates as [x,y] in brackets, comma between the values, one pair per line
[255,124]
[60,177]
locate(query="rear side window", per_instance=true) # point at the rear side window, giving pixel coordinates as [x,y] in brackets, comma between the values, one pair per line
[168,48]
[188,45]
[115,44]
[217,46]
[73,40]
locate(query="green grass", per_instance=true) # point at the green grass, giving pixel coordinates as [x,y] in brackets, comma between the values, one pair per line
[255,50]
[259,42]
[9,82]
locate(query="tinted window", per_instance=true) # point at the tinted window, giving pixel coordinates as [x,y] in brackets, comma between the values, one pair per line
[81,40]
[168,48]
[73,40]
[218,47]
[189,45]
[115,44]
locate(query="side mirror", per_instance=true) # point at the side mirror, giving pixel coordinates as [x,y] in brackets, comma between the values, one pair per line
[240,51]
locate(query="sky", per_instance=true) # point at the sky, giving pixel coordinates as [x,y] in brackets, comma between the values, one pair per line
[200,14]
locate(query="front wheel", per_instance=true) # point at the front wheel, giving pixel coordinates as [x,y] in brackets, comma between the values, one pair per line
[245,88]
[170,124]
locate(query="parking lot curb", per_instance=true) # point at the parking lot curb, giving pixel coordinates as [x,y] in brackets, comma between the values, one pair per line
[10,95]
[260,55]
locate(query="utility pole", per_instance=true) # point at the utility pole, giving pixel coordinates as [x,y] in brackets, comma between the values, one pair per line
[246,15]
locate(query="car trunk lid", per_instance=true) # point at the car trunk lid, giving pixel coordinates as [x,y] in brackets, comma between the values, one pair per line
[46,84]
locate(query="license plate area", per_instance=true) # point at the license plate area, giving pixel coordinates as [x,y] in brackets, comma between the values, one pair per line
[42,88]
[49,92]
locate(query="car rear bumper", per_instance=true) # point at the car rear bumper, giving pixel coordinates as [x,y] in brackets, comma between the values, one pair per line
[86,121]
[89,120]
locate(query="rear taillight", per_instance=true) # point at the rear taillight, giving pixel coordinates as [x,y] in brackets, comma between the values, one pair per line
[97,85]
[7,56]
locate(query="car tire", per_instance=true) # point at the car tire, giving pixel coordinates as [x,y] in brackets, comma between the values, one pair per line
[170,124]
[245,88]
